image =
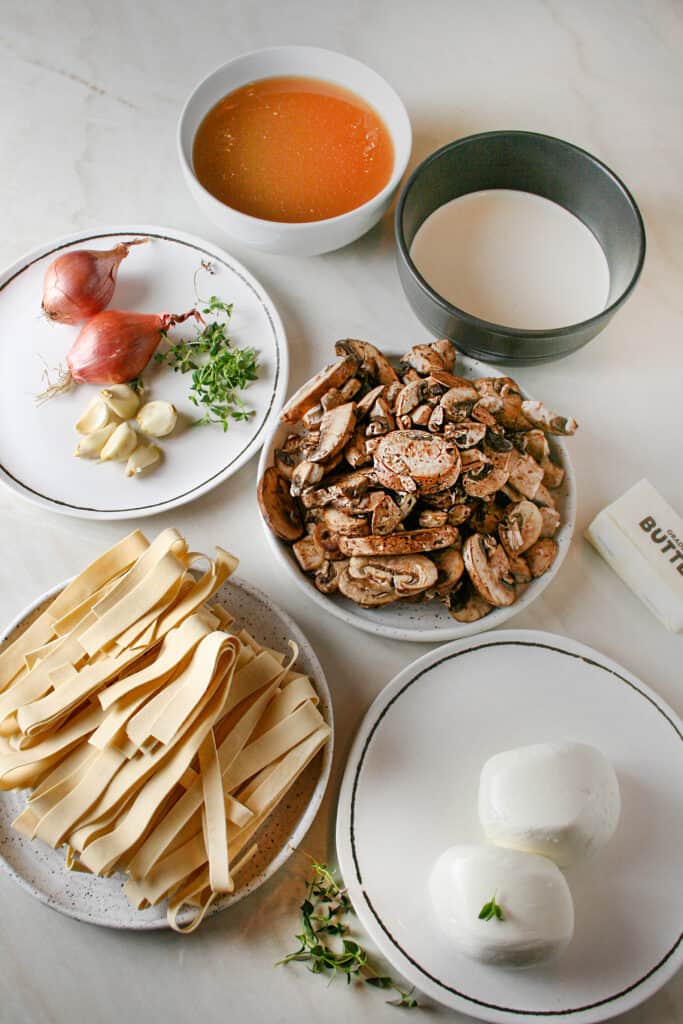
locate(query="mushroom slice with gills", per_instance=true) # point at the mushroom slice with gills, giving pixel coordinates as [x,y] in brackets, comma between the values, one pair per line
[534,442]
[421,416]
[336,428]
[459,400]
[525,474]
[431,517]
[539,415]
[487,517]
[405,542]
[288,457]
[496,441]
[437,420]
[308,553]
[386,516]
[541,556]
[467,433]
[510,414]
[459,513]
[465,604]
[306,474]
[519,567]
[365,592]
[278,508]
[343,524]
[381,419]
[446,352]
[372,364]
[416,460]
[328,541]
[406,574]
[354,483]
[521,527]
[489,570]
[365,404]
[409,397]
[550,521]
[484,411]
[483,482]
[421,358]
[450,566]
[327,577]
[335,375]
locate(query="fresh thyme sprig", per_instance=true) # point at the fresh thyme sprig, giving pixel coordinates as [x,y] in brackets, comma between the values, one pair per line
[491,910]
[322,916]
[219,369]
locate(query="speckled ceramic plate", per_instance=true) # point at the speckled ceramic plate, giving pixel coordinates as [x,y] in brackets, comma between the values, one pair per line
[428,622]
[411,784]
[37,441]
[40,870]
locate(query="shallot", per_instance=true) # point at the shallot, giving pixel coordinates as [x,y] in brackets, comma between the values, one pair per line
[114,347]
[80,283]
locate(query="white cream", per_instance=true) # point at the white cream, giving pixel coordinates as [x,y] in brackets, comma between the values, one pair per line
[535,901]
[560,800]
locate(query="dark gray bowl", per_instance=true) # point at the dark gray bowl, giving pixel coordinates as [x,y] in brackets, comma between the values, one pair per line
[527,162]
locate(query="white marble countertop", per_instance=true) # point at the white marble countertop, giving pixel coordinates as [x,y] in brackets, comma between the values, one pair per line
[90,97]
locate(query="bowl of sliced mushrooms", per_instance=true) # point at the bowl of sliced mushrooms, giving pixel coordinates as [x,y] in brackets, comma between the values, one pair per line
[420,498]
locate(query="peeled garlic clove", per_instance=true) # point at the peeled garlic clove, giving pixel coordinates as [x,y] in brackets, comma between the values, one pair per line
[143,457]
[119,446]
[96,416]
[157,418]
[121,399]
[90,445]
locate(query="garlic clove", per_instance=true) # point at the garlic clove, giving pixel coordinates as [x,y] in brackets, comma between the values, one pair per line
[144,456]
[96,416]
[119,446]
[157,418]
[90,445]
[121,400]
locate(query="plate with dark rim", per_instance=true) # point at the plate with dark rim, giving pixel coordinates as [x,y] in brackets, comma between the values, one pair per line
[37,441]
[411,784]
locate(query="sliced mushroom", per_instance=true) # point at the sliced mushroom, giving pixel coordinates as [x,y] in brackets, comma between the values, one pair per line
[541,556]
[489,570]
[489,478]
[432,517]
[467,433]
[553,475]
[550,521]
[459,400]
[445,350]
[331,399]
[343,524]
[290,455]
[335,375]
[543,497]
[364,592]
[336,428]
[372,363]
[415,460]
[381,419]
[535,443]
[521,573]
[352,484]
[392,393]
[327,577]
[450,565]
[437,419]
[350,389]
[521,527]
[423,359]
[539,415]
[386,516]
[365,404]
[308,554]
[409,398]
[278,508]
[421,416]
[525,473]
[510,414]
[356,452]
[306,474]
[406,574]
[485,409]
[459,513]
[407,542]
[487,517]
[465,604]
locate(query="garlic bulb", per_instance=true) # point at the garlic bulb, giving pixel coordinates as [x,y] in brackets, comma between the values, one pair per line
[96,416]
[90,445]
[157,418]
[119,446]
[143,457]
[121,399]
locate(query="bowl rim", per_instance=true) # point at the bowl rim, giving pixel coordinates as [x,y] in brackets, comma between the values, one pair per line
[450,630]
[290,227]
[403,250]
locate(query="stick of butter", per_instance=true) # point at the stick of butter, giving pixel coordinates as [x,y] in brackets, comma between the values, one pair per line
[641,537]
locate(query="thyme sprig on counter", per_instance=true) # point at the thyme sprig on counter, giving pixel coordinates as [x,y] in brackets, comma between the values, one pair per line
[219,369]
[321,940]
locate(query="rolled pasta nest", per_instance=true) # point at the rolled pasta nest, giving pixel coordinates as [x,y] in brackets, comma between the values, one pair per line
[155,738]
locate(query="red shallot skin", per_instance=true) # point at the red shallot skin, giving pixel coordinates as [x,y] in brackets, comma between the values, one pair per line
[80,283]
[115,346]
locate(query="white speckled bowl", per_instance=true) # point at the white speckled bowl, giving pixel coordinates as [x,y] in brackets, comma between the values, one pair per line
[428,622]
[40,870]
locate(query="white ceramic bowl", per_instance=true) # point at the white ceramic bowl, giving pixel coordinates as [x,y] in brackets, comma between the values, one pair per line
[313,237]
[428,622]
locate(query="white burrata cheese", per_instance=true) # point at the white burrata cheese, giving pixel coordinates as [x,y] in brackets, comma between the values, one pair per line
[534,898]
[557,799]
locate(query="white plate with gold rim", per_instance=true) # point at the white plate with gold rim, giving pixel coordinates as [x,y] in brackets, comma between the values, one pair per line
[410,791]
[37,441]
[40,870]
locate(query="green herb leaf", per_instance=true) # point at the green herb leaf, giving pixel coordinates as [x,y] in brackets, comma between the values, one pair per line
[491,910]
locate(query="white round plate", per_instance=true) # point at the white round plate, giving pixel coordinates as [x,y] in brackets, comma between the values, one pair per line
[40,870]
[428,622]
[410,791]
[37,442]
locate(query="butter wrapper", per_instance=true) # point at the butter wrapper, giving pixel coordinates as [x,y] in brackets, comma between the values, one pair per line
[641,538]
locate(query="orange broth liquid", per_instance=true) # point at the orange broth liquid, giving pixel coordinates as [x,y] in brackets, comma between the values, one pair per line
[293,149]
